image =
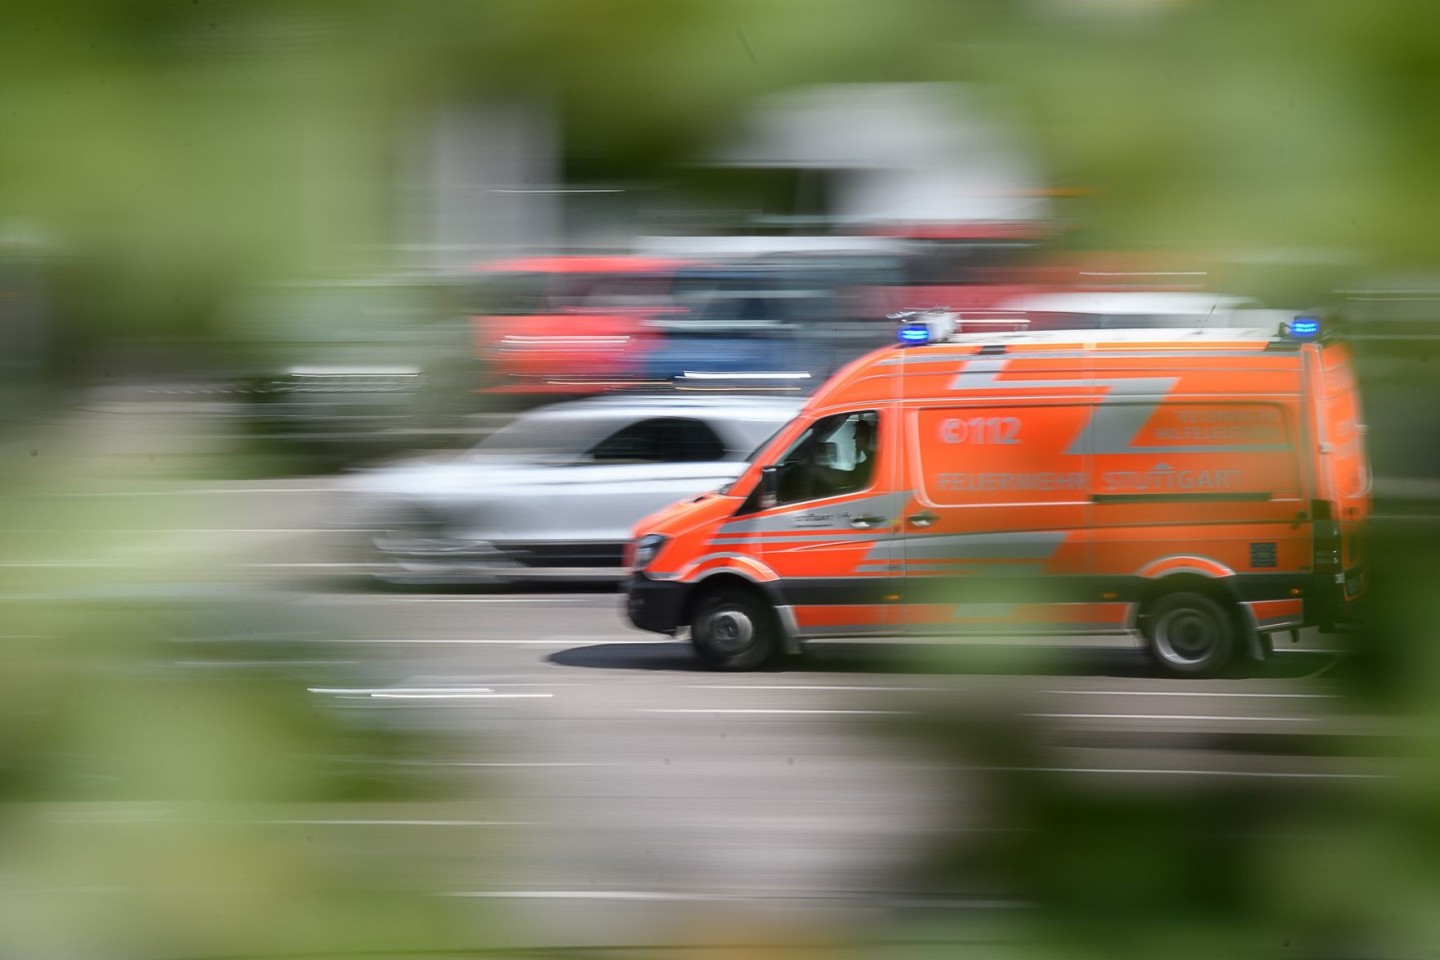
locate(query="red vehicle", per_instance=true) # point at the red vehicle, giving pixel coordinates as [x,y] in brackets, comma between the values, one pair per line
[569,324]
[972,266]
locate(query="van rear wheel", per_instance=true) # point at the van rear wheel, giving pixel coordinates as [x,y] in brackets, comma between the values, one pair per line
[1190,634]
[733,629]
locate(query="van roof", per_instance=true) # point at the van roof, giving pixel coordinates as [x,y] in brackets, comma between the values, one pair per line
[1127,336]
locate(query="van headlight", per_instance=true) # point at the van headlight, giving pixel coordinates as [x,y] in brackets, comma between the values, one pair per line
[647,548]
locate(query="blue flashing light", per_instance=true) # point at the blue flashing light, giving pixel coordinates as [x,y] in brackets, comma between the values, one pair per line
[914,333]
[1305,328]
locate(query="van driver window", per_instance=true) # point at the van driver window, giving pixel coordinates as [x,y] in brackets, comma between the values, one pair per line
[835,456]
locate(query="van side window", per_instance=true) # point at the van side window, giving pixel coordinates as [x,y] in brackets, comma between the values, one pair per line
[835,456]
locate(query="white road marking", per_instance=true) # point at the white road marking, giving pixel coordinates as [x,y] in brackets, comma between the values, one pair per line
[426,693]
[460,696]
[609,638]
[367,691]
[458,680]
[423,682]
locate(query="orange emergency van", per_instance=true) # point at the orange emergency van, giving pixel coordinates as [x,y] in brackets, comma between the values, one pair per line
[1204,487]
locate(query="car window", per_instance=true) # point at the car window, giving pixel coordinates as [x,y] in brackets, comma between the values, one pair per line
[835,456]
[660,440]
[540,435]
[760,448]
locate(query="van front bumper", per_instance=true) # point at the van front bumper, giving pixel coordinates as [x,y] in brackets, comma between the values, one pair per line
[654,605]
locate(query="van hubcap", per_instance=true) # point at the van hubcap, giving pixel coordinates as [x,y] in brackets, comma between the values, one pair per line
[731,630]
[1186,636]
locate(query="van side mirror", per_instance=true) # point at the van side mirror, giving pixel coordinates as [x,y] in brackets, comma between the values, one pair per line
[769,488]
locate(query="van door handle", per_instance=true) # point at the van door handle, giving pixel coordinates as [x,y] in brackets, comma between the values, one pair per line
[866,522]
[922,519]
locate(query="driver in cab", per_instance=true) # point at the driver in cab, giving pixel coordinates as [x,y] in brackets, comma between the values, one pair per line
[829,463]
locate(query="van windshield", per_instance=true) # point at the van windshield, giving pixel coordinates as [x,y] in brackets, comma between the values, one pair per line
[754,455]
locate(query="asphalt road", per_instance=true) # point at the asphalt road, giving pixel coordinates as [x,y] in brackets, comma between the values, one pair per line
[622,781]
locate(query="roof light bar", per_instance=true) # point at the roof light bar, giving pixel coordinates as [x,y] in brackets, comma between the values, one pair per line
[919,327]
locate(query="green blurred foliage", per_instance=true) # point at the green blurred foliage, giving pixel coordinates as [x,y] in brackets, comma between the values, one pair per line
[174,151]
[179,149]
[165,775]
[162,796]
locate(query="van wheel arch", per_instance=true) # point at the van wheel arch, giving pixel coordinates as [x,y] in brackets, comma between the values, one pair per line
[715,582]
[1217,588]
[1193,625]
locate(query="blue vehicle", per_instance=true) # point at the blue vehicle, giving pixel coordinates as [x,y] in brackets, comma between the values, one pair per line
[778,326]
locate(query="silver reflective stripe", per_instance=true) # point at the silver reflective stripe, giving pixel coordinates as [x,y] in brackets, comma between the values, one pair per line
[733,539]
[1116,420]
[704,558]
[960,547]
[782,520]
[905,360]
[973,568]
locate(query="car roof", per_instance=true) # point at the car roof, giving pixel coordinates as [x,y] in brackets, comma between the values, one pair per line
[778,408]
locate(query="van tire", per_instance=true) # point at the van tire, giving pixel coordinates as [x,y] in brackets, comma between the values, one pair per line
[733,629]
[1190,634]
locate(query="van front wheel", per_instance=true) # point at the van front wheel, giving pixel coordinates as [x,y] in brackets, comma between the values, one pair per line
[733,629]
[1189,634]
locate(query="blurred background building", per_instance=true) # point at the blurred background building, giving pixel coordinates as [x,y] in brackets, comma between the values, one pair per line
[908,158]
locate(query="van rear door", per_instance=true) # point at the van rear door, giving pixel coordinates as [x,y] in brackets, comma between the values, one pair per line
[1343,473]
[1199,475]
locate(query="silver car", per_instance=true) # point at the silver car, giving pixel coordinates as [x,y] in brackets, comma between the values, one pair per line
[555,492]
